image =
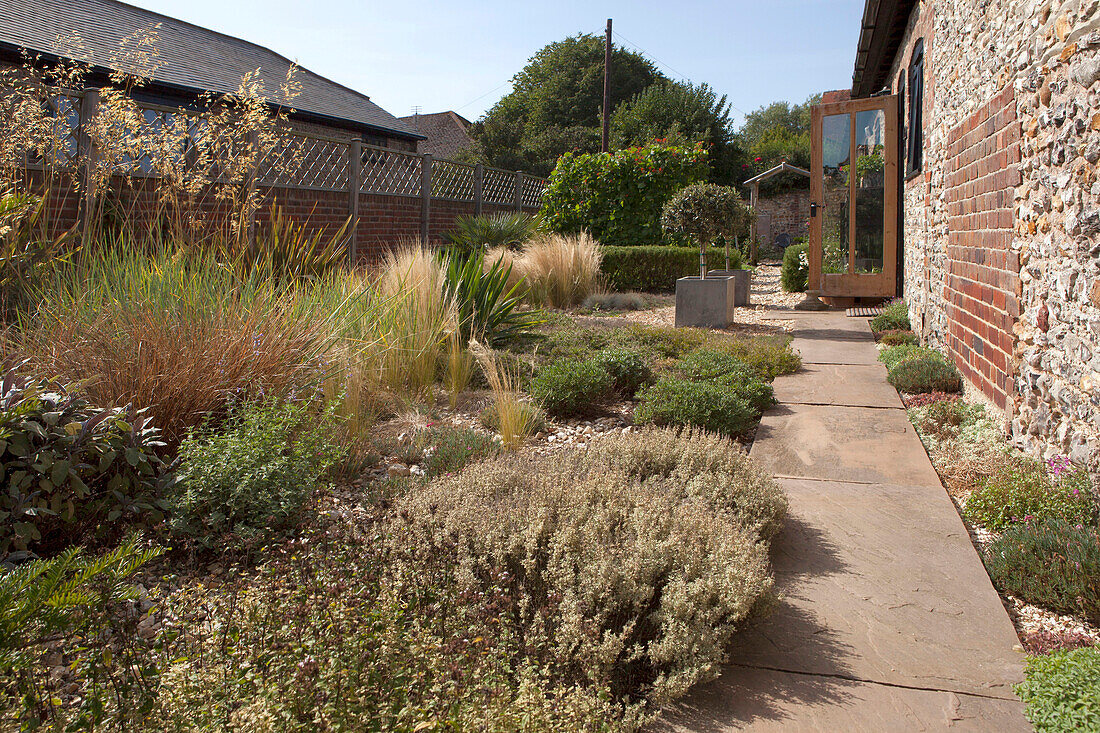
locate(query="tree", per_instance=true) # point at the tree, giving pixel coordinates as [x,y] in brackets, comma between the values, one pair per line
[681,113]
[774,133]
[704,212]
[555,103]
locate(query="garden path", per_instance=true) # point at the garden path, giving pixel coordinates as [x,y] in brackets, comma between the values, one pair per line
[887,620]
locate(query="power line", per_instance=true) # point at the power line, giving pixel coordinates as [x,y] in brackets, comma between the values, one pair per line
[483,96]
[680,74]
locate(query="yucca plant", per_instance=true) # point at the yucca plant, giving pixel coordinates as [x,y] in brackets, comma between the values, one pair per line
[478,233]
[288,248]
[487,307]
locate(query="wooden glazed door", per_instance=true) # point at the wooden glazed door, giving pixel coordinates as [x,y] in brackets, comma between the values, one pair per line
[853,210]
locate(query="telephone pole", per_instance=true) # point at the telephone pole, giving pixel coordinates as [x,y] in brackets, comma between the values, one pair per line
[606,89]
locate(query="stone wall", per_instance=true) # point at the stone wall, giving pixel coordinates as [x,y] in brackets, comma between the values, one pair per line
[785,213]
[1038,60]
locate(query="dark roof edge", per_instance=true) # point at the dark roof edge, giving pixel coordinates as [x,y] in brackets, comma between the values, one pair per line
[15,53]
[880,36]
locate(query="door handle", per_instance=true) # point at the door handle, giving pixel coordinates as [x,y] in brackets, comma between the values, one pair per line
[813,208]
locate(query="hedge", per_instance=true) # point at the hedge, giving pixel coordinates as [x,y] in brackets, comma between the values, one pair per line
[656,268]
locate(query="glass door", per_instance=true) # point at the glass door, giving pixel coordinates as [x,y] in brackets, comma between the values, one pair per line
[853,193]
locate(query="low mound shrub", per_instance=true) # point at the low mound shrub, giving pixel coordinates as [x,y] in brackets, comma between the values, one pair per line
[894,355]
[897,338]
[722,408]
[768,356]
[1062,691]
[894,317]
[72,472]
[1029,489]
[628,369]
[1051,562]
[664,342]
[924,374]
[571,387]
[723,369]
[450,449]
[611,582]
[614,302]
[252,475]
[795,271]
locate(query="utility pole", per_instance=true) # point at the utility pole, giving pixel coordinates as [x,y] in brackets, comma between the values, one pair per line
[606,89]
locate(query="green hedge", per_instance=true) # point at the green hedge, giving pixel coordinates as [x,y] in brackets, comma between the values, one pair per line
[656,268]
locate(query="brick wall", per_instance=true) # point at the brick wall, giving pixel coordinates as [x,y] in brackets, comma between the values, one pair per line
[789,214]
[982,291]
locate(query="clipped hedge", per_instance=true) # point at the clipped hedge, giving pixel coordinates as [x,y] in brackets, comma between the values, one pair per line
[655,269]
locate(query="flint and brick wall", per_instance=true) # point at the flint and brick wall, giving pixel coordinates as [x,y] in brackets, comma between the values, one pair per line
[1002,249]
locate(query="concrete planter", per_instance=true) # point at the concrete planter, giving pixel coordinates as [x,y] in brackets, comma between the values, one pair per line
[742,278]
[705,303]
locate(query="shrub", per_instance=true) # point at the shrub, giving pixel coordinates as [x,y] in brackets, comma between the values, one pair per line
[703,212]
[924,374]
[502,229]
[614,302]
[665,342]
[486,307]
[718,407]
[618,196]
[655,269]
[768,356]
[894,355]
[560,271]
[69,606]
[897,338]
[72,472]
[1062,691]
[251,476]
[450,449]
[1027,490]
[722,368]
[795,272]
[1051,562]
[628,369]
[610,581]
[570,387]
[894,317]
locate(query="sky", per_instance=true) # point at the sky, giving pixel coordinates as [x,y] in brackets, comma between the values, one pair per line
[461,55]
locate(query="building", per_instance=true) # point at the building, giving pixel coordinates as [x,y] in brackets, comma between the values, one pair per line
[1000,204]
[189,61]
[446,133]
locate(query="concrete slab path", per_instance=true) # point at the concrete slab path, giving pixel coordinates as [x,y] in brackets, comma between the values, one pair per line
[888,620]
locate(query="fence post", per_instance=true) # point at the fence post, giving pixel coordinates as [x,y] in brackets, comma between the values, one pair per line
[518,193]
[425,195]
[86,152]
[355,163]
[479,187]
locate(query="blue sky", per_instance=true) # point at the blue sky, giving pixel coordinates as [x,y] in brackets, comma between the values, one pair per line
[460,55]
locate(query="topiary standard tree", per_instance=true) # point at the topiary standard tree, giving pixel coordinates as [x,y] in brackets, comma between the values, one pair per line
[705,211]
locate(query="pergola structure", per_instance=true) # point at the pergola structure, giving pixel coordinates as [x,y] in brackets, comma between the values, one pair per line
[754,182]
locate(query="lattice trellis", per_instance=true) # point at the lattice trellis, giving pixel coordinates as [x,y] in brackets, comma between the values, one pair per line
[498,187]
[307,162]
[532,192]
[390,171]
[452,181]
[65,110]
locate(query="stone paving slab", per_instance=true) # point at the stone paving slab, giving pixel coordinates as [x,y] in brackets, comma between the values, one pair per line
[858,444]
[837,384]
[767,701]
[881,583]
[839,346]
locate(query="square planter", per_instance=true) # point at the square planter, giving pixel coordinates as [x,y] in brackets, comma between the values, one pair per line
[704,303]
[742,278]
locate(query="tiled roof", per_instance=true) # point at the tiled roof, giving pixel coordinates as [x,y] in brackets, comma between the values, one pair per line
[446,132]
[190,57]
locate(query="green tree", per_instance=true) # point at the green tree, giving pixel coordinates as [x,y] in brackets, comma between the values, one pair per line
[682,113]
[779,131]
[555,104]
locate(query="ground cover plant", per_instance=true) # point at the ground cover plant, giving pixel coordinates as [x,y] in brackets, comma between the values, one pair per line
[894,317]
[916,369]
[1028,489]
[1062,691]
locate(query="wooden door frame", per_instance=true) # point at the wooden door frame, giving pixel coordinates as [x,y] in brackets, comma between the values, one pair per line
[850,284]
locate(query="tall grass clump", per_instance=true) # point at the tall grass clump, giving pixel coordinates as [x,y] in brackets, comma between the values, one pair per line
[561,270]
[513,418]
[179,334]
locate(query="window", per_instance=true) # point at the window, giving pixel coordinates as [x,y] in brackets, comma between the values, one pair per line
[915,139]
